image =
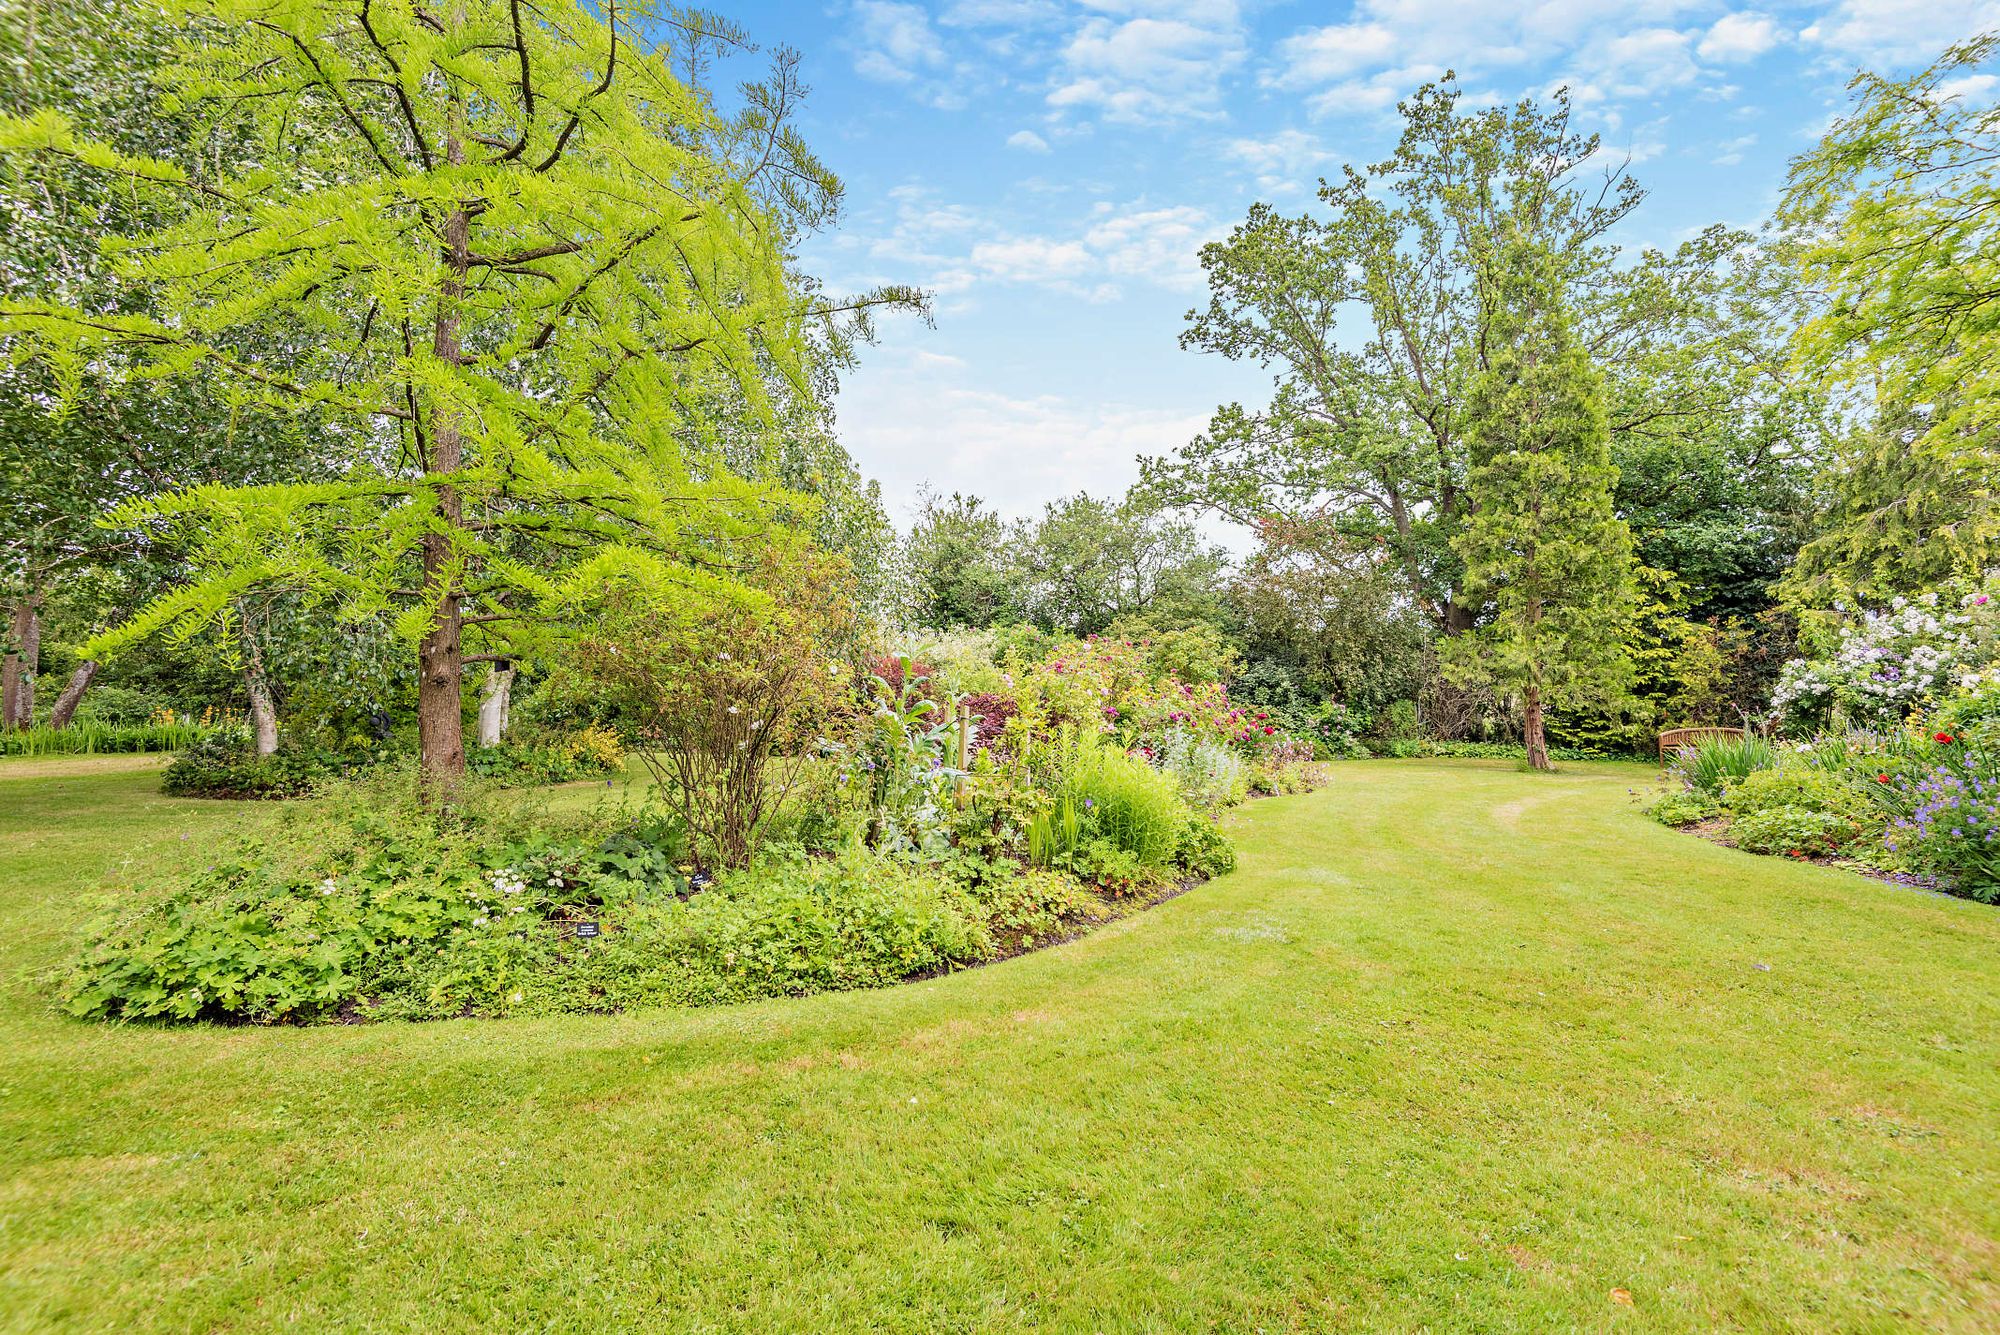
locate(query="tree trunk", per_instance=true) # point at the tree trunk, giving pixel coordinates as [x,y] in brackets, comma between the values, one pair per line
[72,694]
[440,655]
[17,670]
[263,711]
[494,703]
[1532,730]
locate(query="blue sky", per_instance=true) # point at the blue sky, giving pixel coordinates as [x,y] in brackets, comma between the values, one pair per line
[1049,168]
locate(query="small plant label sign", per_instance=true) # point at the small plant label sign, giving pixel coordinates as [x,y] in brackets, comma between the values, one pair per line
[586,929]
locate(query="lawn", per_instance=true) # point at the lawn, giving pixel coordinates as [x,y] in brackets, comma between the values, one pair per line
[1458,1048]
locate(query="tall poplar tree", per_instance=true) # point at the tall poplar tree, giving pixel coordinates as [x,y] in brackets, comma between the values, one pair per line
[1544,552]
[516,236]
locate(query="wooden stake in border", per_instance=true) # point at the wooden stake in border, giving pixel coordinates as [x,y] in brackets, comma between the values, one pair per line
[964,750]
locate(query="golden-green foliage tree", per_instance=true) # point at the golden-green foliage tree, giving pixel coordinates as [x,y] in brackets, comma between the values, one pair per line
[522,244]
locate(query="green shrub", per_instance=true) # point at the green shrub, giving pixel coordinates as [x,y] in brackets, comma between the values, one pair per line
[1208,774]
[121,706]
[1683,807]
[368,905]
[589,752]
[1401,723]
[294,922]
[1794,830]
[1114,870]
[1203,848]
[1036,906]
[226,766]
[1801,788]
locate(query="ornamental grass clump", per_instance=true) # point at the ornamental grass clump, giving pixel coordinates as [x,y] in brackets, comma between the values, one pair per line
[1127,802]
[1713,763]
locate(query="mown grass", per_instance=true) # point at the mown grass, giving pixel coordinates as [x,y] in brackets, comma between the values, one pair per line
[1459,1048]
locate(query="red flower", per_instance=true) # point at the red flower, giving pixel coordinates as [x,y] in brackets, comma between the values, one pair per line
[1945,739]
[1268,730]
[1881,778]
[1795,853]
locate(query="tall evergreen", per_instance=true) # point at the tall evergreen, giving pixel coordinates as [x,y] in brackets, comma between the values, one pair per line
[1546,557]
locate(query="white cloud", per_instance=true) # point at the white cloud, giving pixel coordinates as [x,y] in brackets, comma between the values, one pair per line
[1028,140]
[1166,63]
[1969,87]
[1387,47]
[1638,63]
[894,42]
[1337,51]
[910,421]
[1158,245]
[1736,37]
[1287,160]
[952,250]
[1032,259]
[1900,31]
[1730,152]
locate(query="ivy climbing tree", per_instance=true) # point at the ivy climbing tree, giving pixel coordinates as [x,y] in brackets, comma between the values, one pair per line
[522,242]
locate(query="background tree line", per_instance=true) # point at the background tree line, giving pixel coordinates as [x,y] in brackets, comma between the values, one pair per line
[350,354]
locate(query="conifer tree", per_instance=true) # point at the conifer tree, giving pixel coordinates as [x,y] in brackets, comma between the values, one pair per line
[523,242]
[1544,553]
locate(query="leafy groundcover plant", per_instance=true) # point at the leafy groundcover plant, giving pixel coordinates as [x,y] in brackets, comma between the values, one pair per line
[367,904]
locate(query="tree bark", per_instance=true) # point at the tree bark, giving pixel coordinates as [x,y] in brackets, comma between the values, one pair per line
[440,655]
[23,660]
[263,711]
[1532,728]
[72,694]
[495,702]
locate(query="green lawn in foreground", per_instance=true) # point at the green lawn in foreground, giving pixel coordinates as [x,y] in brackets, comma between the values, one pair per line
[1459,1048]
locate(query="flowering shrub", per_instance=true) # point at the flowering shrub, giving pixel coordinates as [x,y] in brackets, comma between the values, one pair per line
[1895,661]
[1946,818]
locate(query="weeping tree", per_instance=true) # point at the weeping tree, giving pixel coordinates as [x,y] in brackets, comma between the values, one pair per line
[514,236]
[1543,551]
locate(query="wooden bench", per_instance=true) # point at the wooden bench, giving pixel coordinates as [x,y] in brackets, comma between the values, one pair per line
[1673,739]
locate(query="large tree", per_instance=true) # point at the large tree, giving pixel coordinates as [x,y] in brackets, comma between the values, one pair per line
[524,245]
[957,565]
[1542,548]
[1898,215]
[1088,561]
[1368,313]
[1899,211]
